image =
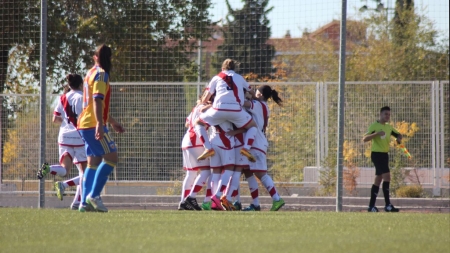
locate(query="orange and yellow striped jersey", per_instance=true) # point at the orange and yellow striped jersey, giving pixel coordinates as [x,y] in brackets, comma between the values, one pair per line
[96,85]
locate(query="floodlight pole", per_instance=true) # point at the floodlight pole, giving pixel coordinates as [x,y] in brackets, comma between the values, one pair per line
[43,96]
[340,156]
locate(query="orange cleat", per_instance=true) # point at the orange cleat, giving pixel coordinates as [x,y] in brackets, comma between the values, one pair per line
[206,154]
[245,152]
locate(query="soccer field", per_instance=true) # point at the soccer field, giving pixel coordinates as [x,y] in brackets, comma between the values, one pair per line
[56,230]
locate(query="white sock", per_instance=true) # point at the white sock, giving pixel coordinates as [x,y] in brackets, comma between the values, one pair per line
[267,181]
[224,179]
[249,137]
[72,182]
[234,184]
[187,183]
[77,198]
[200,131]
[215,178]
[253,187]
[201,180]
[208,190]
[58,170]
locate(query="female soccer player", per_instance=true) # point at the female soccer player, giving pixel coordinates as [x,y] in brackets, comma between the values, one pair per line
[71,146]
[228,87]
[100,147]
[260,112]
[380,133]
[192,148]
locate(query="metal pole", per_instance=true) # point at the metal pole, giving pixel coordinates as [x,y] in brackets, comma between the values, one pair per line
[340,158]
[318,156]
[442,129]
[433,136]
[43,67]
[199,74]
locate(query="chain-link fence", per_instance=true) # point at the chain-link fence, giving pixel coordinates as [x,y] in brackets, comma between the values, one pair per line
[160,47]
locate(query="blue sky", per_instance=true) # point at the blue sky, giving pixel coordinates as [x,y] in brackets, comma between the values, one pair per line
[296,15]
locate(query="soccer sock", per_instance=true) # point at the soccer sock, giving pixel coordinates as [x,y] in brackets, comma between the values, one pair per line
[386,192]
[253,187]
[201,180]
[58,170]
[101,177]
[249,137]
[200,131]
[77,198]
[234,184]
[208,190]
[373,195]
[215,178]
[267,181]
[225,178]
[88,181]
[187,183]
[72,182]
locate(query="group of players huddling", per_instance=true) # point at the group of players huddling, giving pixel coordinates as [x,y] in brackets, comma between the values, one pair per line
[237,144]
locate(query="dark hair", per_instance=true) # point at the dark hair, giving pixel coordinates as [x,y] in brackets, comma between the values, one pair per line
[385,108]
[74,81]
[268,92]
[104,53]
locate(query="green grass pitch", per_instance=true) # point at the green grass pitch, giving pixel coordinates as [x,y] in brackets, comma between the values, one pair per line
[56,230]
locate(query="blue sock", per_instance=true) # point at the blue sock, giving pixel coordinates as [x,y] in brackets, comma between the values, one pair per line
[88,180]
[101,176]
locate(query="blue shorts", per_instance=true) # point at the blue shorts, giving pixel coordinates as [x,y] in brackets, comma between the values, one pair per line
[97,147]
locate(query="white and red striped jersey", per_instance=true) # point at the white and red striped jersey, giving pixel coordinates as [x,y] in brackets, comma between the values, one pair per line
[219,137]
[68,108]
[260,113]
[229,89]
[190,139]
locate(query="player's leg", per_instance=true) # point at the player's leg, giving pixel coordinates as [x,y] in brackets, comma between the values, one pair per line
[386,176]
[242,119]
[93,161]
[200,180]
[61,169]
[208,118]
[378,161]
[105,168]
[80,160]
[253,187]
[233,190]
[206,205]
[215,182]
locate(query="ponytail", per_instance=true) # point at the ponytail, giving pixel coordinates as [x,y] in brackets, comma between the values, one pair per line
[276,98]
[103,53]
[267,93]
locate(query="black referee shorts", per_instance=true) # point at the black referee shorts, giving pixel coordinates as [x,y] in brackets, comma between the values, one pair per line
[381,162]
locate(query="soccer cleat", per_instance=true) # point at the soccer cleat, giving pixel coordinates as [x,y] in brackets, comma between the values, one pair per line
[216,201]
[182,206]
[192,203]
[207,153]
[372,209]
[43,171]
[245,152]
[75,206]
[252,208]
[97,203]
[227,204]
[237,205]
[391,209]
[59,186]
[276,205]
[206,206]
[86,208]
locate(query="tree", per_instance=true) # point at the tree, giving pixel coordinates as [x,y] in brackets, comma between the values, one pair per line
[246,33]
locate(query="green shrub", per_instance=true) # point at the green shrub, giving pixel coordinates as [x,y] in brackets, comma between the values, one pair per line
[410,191]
